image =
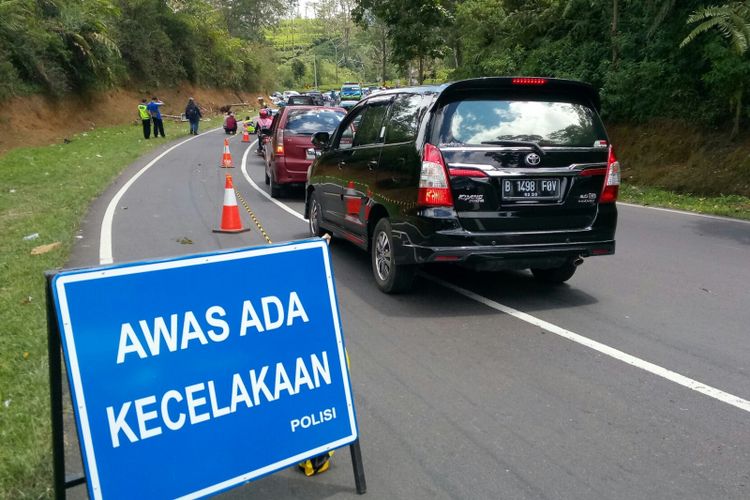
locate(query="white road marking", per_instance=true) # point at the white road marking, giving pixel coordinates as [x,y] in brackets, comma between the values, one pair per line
[282,206]
[684,212]
[657,370]
[105,235]
[629,359]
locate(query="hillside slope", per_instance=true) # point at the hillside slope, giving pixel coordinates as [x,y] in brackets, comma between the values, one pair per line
[37,120]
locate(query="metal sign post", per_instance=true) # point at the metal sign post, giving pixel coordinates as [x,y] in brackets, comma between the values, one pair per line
[200,373]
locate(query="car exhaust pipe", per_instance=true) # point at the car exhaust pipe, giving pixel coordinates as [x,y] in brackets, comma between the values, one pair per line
[578,261]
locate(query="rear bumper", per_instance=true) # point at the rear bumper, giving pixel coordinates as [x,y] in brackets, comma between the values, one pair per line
[424,241]
[285,176]
[508,256]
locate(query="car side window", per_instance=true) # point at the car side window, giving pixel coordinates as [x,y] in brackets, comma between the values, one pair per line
[371,128]
[346,139]
[403,122]
[275,122]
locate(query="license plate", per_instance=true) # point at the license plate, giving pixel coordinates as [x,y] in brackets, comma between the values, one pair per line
[531,189]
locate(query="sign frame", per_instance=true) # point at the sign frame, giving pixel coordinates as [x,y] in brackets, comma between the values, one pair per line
[56,317]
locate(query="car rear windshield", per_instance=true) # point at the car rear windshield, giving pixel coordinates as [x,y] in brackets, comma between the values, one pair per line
[501,121]
[309,121]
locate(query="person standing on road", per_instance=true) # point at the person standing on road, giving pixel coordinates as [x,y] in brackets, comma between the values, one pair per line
[193,114]
[145,118]
[153,108]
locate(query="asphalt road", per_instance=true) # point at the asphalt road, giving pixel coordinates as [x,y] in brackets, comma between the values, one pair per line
[457,399]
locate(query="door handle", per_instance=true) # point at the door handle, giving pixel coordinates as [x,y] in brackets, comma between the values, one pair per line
[342,164]
[372,164]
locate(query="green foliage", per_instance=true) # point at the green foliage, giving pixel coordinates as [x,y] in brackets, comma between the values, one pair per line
[298,69]
[416,28]
[731,20]
[61,46]
[637,52]
[729,69]
[50,202]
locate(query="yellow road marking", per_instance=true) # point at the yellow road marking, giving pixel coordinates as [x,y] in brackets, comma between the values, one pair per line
[252,216]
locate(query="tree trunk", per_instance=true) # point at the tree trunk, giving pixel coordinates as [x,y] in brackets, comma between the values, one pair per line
[336,61]
[737,113]
[421,70]
[613,34]
[383,45]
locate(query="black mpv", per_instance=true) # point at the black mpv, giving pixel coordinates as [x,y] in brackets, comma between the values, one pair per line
[489,173]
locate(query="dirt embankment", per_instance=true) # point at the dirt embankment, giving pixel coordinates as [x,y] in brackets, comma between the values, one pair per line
[683,158]
[37,120]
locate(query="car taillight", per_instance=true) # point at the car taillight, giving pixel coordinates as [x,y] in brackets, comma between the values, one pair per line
[280,143]
[611,180]
[529,81]
[434,190]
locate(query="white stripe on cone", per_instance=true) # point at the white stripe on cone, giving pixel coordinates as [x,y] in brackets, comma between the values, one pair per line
[230,200]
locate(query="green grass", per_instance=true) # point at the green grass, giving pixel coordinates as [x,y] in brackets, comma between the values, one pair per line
[44,190]
[728,205]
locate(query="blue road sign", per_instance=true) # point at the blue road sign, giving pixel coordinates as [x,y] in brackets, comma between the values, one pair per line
[195,374]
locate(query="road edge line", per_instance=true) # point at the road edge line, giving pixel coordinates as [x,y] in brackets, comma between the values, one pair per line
[261,191]
[684,212]
[105,232]
[629,359]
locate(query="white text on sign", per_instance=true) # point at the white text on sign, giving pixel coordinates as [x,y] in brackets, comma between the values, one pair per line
[186,328]
[203,403]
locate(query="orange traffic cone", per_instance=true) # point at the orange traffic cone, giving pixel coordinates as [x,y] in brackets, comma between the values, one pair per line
[245,136]
[226,158]
[230,215]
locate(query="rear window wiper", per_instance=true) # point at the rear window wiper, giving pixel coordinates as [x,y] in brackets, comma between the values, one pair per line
[511,142]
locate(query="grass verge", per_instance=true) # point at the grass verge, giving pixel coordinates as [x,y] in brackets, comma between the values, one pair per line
[44,193]
[734,206]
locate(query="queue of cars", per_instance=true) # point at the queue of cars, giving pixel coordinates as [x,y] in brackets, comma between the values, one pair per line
[487,173]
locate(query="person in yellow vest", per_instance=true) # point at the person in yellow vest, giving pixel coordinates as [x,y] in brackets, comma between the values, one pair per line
[145,118]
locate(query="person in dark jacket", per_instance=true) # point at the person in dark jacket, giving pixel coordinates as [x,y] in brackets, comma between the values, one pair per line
[193,114]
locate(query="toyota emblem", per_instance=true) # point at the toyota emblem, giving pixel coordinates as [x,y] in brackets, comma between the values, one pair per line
[533,159]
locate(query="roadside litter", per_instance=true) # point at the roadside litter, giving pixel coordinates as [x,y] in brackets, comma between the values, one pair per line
[45,248]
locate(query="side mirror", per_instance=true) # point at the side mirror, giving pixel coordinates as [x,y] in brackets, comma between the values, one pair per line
[321,140]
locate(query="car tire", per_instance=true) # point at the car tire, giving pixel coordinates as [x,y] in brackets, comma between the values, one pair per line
[276,189]
[315,216]
[389,276]
[556,275]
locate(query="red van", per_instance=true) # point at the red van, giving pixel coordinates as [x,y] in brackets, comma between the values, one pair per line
[290,151]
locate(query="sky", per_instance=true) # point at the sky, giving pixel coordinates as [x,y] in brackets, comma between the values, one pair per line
[306,8]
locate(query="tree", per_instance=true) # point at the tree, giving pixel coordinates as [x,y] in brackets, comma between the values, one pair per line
[732,21]
[298,69]
[416,28]
[247,18]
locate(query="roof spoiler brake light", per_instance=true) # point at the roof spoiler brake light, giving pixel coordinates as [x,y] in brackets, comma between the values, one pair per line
[529,81]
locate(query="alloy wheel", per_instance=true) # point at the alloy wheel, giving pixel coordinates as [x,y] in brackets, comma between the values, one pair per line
[383,259]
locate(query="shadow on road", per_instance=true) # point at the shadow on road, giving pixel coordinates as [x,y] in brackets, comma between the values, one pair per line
[738,232]
[516,288]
